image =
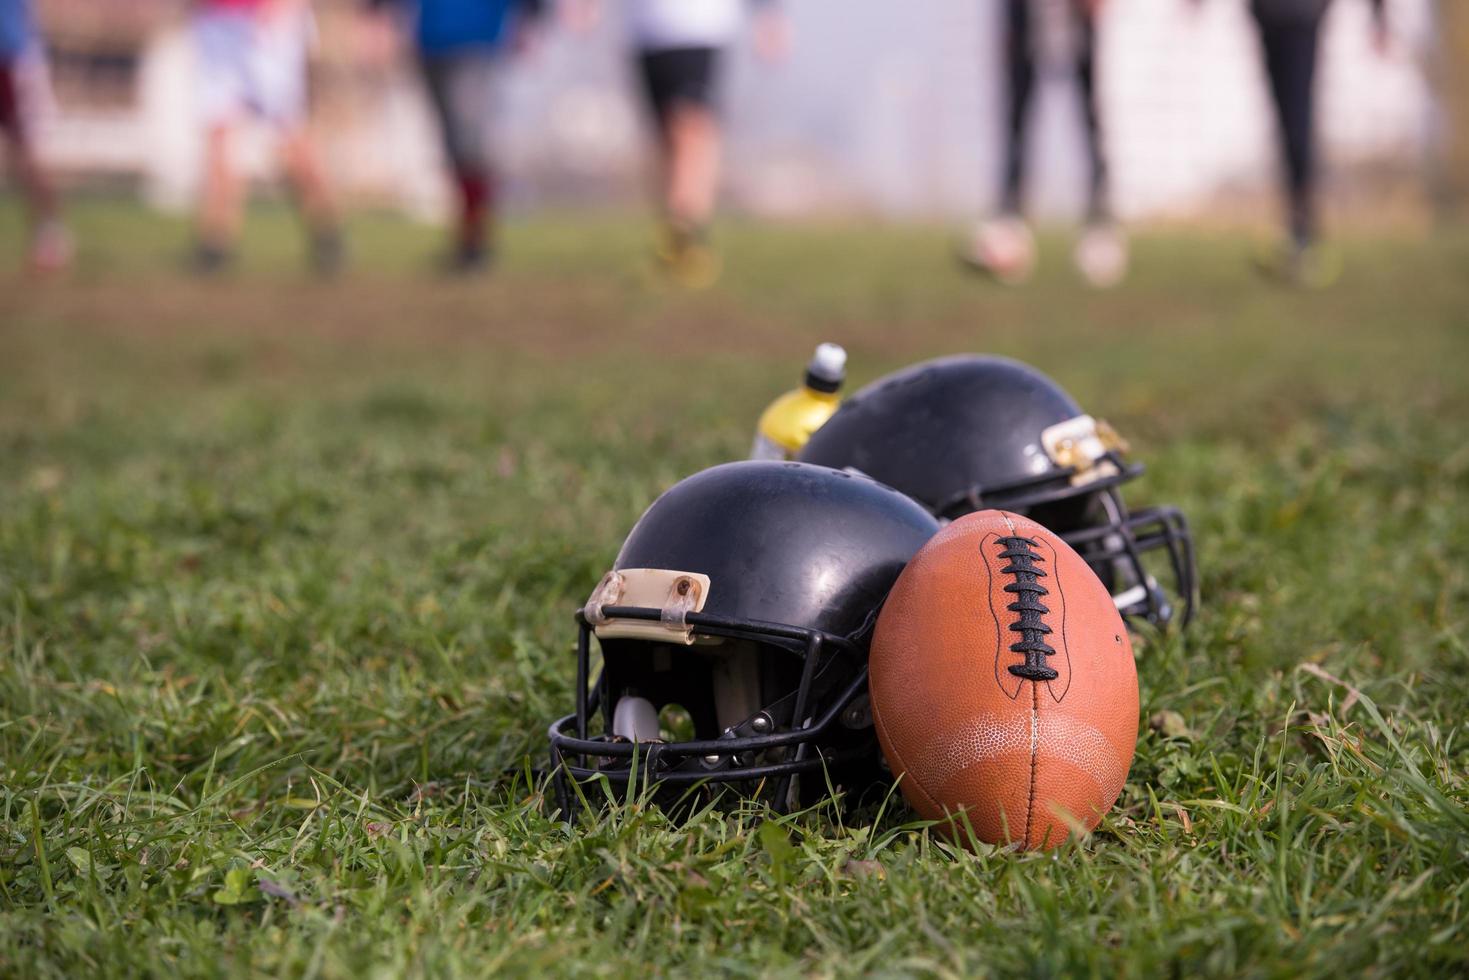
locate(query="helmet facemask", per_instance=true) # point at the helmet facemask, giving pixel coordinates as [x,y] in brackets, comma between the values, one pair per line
[686,699]
[1133,553]
[972,432]
[1077,495]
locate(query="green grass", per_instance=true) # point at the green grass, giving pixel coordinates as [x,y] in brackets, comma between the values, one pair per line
[286,572]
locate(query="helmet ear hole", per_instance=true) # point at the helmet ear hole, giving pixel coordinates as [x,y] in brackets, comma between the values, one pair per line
[635,719]
[675,724]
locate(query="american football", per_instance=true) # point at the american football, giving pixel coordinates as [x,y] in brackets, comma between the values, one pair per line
[1003,685]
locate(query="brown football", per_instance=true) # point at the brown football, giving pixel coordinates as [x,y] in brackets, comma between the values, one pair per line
[1003,684]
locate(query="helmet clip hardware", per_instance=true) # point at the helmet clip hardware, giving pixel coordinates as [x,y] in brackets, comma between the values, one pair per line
[607,593]
[684,597]
[673,593]
[1084,446]
[858,713]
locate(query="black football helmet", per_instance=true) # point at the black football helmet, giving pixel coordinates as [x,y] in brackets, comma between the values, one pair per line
[733,628]
[969,432]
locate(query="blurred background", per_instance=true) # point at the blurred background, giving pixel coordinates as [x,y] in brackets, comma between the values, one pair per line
[877,111]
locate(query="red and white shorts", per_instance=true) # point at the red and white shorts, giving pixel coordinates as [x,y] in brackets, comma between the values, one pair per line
[249,65]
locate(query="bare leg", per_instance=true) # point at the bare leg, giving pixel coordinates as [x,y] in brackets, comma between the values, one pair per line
[40,196]
[50,245]
[680,85]
[51,248]
[308,179]
[314,197]
[220,200]
[691,166]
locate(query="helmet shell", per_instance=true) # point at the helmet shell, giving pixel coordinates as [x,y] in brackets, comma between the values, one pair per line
[783,542]
[947,427]
[967,432]
[771,676]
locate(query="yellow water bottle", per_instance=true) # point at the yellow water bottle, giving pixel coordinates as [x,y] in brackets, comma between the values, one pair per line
[789,421]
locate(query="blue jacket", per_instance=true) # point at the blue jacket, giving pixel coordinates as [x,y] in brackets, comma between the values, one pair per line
[17,33]
[446,26]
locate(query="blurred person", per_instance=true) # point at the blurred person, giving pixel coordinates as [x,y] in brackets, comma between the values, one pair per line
[22,71]
[1290,39]
[251,61]
[1035,35]
[678,47]
[462,47]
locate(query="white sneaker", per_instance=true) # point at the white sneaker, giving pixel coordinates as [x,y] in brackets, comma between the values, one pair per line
[1101,255]
[1003,248]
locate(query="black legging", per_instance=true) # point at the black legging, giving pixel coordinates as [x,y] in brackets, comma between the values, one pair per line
[1021,64]
[1290,44]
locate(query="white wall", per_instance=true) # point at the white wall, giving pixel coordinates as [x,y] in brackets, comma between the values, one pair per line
[884,106]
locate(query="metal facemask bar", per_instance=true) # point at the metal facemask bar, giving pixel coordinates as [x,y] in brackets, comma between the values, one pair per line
[1093,455]
[1115,549]
[727,759]
[1087,454]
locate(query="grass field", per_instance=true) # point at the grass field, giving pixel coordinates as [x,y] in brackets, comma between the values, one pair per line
[286,574]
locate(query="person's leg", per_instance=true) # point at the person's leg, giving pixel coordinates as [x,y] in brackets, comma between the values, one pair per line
[680,86]
[1290,49]
[304,170]
[476,86]
[1099,205]
[221,52]
[275,63]
[220,200]
[1019,53]
[680,89]
[461,89]
[1101,253]
[1002,245]
[693,166]
[50,248]
[653,70]
[1298,105]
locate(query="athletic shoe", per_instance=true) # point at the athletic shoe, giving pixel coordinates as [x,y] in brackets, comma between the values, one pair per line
[467,259]
[1101,255]
[696,266]
[1001,247]
[1307,265]
[51,248]
[687,257]
[208,260]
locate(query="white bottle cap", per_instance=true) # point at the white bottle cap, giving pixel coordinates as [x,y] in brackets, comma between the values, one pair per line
[829,363]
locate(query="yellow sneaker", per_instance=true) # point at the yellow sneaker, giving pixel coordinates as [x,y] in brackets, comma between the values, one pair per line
[696,266]
[687,258]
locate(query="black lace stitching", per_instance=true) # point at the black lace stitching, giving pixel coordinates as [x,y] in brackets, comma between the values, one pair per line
[1028,591]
